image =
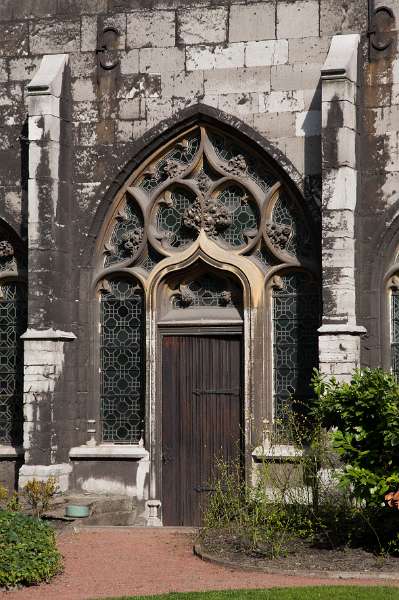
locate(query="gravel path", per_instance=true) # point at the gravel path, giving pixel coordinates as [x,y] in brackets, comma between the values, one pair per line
[101,563]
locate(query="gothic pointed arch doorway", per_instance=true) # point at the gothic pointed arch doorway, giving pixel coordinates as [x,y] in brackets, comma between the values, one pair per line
[218,258]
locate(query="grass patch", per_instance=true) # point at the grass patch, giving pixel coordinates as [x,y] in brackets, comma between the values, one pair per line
[305,593]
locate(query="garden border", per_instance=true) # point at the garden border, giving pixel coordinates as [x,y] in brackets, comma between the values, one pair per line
[205,556]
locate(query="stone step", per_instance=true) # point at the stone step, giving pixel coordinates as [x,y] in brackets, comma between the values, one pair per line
[122,518]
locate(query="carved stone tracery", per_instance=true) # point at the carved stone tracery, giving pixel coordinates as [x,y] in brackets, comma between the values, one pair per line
[170,213]
[213,217]
[279,234]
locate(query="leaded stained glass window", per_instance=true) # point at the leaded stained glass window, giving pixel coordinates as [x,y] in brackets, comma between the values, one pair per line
[296,309]
[122,361]
[395,332]
[12,325]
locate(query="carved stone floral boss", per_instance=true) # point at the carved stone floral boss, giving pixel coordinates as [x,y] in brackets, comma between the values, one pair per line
[205,181]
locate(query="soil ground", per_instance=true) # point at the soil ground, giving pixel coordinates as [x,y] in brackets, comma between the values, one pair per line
[101,563]
[302,556]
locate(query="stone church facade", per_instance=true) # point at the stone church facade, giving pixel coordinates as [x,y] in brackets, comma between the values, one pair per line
[198,205]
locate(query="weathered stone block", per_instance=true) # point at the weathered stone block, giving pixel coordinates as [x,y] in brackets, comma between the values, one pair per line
[124,131]
[215,57]
[295,77]
[342,17]
[55,37]
[277,124]
[129,109]
[298,19]
[231,81]
[83,90]
[88,33]
[308,50]
[151,28]
[22,69]
[83,64]
[157,110]
[130,62]
[241,105]
[145,85]
[14,40]
[3,70]
[85,111]
[281,101]
[159,60]
[308,123]
[183,84]
[202,25]
[258,54]
[252,22]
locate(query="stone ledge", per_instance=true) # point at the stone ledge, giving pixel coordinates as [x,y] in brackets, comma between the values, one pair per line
[343,328]
[111,451]
[10,452]
[277,452]
[48,334]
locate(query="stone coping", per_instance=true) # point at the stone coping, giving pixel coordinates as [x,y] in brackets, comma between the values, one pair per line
[108,451]
[224,562]
[10,452]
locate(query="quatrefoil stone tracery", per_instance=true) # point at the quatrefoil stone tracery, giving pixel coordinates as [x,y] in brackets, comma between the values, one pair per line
[207,181]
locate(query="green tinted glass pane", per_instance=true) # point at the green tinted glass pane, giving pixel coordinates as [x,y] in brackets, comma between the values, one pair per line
[12,325]
[122,362]
[296,318]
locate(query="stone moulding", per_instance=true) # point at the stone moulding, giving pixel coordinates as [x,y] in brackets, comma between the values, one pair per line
[108,451]
[341,61]
[48,79]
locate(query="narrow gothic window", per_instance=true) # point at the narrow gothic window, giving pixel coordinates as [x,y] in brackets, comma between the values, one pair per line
[12,325]
[122,361]
[295,348]
[395,331]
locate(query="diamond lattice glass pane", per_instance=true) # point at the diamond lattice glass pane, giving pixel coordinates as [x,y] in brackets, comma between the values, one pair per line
[264,257]
[296,317]
[286,213]
[126,235]
[12,325]
[170,219]
[122,362]
[243,215]
[179,157]
[395,333]
[227,150]
[151,259]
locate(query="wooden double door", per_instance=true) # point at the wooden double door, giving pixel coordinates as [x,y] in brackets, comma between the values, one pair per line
[201,418]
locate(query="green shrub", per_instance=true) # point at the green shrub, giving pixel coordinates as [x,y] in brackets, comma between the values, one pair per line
[28,552]
[364,417]
[258,521]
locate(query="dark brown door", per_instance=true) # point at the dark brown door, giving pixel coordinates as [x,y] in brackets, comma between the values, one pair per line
[201,418]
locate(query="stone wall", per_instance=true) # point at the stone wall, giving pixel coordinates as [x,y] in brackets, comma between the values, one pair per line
[136,68]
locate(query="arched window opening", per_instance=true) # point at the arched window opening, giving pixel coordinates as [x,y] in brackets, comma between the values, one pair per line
[208,182]
[122,361]
[296,318]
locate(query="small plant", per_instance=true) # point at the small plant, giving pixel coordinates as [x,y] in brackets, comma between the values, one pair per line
[28,553]
[38,494]
[9,501]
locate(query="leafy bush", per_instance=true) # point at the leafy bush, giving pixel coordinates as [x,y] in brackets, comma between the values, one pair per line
[364,417]
[28,553]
